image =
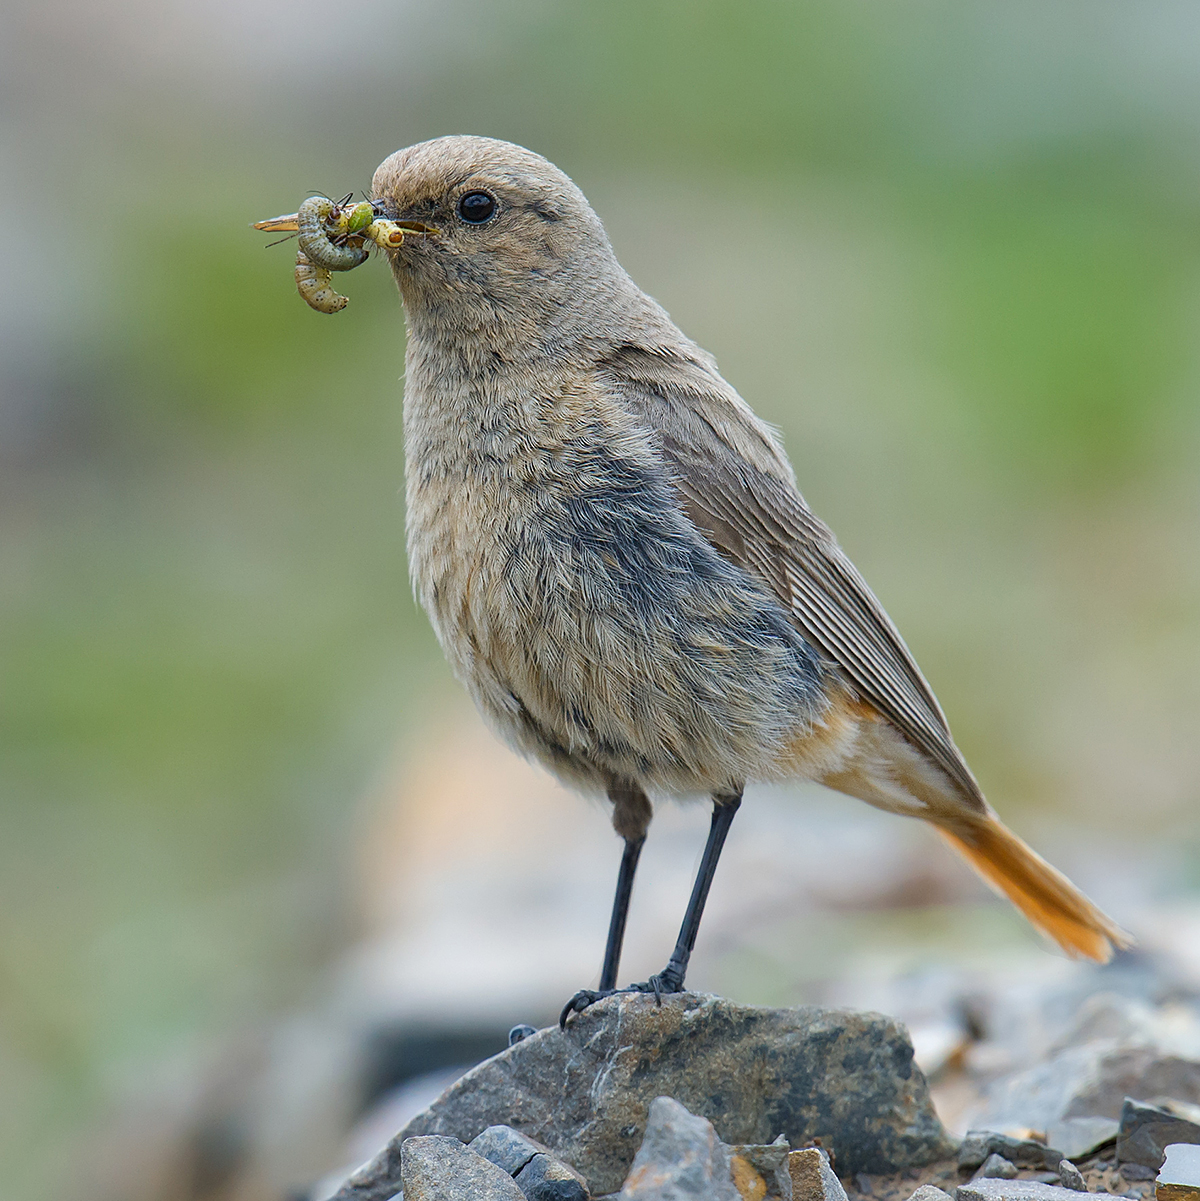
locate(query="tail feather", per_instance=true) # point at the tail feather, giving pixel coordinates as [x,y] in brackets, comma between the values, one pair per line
[1042,893]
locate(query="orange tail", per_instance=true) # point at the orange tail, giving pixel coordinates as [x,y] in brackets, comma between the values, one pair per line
[1042,893]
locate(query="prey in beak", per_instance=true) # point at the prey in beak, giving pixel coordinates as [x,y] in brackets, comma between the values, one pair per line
[335,236]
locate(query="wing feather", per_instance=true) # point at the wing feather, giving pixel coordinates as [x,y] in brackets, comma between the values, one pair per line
[738,489]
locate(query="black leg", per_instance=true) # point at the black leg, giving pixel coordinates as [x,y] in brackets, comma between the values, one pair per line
[631,817]
[616,927]
[670,979]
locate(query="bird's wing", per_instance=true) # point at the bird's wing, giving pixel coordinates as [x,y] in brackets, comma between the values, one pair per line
[737,487]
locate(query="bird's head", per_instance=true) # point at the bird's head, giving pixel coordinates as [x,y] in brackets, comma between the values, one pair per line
[518,252]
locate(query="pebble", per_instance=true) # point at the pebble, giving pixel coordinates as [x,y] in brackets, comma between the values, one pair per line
[812,1177]
[436,1168]
[1071,1177]
[930,1192]
[997,1167]
[680,1159]
[1024,1152]
[767,1161]
[506,1148]
[545,1178]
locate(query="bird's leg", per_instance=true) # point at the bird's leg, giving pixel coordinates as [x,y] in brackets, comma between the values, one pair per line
[620,911]
[670,979]
[631,818]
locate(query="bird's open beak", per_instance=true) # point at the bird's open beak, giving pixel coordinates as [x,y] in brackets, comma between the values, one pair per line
[289,223]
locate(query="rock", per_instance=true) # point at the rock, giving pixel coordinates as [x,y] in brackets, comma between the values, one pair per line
[989,1188]
[998,1168]
[435,1168]
[680,1159]
[845,1077]
[812,1177]
[1071,1177]
[1024,1152]
[1079,1137]
[930,1192]
[767,1161]
[749,1182]
[1145,1132]
[1179,1177]
[1092,1080]
[1137,1171]
[545,1178]
[506,1148]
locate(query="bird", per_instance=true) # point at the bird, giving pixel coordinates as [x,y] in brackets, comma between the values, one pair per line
[617,560]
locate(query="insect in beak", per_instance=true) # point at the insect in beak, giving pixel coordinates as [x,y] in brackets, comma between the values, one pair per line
[334,236]
[287,224]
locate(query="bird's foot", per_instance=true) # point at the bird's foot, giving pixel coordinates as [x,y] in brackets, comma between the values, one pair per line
[583,998]
[669,980]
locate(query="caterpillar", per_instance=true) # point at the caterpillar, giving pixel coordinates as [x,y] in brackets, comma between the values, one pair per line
[333,237]
[315,285]
[314,221]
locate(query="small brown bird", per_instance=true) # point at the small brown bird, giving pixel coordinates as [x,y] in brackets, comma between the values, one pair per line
[617,561]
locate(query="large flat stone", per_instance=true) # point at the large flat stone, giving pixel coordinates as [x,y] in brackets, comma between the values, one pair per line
[847,1078]
[1179,1177]
[1079,1137]
[979,1145]
[1146,1130]
[988,1188]
[1091,1080]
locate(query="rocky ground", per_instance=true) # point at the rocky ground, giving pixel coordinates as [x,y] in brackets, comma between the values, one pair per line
[484,894]
[700,1098]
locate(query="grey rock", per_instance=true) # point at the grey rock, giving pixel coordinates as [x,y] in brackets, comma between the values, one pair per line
[930,1192]
[545,1178]
[436,1168]
[506,1147]
[1145,1132]
[992,1189]
[1071,1177]
[1092,1080]
[845,1077]
[1179,1177]
[1024,1152]
[769,1160]
[812,1177]
[998,1168]
[1137,1171]
[680,1159]
[1077,1138]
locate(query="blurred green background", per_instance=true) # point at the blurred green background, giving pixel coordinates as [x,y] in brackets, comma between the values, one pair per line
[951,249]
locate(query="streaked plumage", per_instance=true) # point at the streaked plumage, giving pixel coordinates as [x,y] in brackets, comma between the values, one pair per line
[613,550]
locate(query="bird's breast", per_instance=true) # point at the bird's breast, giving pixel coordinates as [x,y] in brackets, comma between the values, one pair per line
[593,624]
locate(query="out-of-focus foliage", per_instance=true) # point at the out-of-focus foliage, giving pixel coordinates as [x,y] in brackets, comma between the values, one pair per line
[951,249]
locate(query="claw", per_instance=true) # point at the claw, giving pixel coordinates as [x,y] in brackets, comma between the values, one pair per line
[581,1000]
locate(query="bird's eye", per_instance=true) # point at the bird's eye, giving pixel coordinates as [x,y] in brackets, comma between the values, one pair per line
[476,207]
